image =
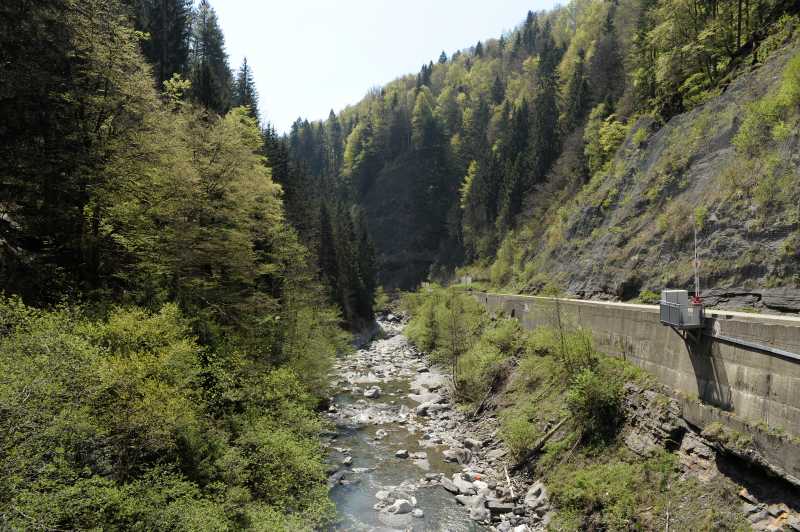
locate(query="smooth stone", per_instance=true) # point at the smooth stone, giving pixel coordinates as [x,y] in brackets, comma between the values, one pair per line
[465,487]
[400,506]
[448,485]
[418,513]
[401,453]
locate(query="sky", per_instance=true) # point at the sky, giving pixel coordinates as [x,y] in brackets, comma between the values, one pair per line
[311,56]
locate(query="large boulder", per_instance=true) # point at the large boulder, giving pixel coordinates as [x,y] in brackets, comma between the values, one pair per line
[478,510]
[462,456]
[536,496]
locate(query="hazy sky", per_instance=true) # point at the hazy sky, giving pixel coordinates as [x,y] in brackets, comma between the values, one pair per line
[311,56]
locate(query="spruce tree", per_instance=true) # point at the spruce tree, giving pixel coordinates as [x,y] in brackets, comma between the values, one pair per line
[210,74]
[606,68]
[498,91]
[576,95]
[530,33]
[245,93]
[168,25]
[442,58]
[333,145]
[327,258]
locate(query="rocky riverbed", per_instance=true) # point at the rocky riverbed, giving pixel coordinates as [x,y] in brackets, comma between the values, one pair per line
[403,457]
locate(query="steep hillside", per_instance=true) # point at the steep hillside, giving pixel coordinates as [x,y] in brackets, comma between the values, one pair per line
[730,167]
[579,150]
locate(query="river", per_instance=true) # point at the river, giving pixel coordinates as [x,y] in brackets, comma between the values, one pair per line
[371,430]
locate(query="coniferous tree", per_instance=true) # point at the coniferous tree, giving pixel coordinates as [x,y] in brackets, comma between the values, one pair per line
[530,33]
[544,135]
[479,49]
[367,268]
[327,258]
[209,71]
[245,93]
[577,99]
[333,145]
[442,58]
[168,24]
[498,90]
[606,69]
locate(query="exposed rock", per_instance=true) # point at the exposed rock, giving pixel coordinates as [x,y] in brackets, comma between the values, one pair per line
[478,510]
[536,496]
[400,506]
[758,516]
[373,393]
[465,487]
[498,507]
[495,454]
[462,456]
[432,398]
[401,453]
[418,513]
[448,485]
[473,444]
[348,460]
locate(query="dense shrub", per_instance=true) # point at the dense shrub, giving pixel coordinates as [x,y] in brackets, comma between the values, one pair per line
[595,402]
[128,423]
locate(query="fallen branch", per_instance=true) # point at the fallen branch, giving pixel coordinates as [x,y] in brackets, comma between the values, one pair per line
[510,487]
[482,406]
[538,447]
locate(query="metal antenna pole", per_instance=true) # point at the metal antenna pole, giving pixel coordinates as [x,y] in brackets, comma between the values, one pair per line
[696,266]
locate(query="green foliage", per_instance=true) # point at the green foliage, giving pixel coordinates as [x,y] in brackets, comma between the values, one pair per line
[595,402]
[111,423]
[648,297]
[608,488]
[205,331]
[770,112]
[448,324]
[603,136]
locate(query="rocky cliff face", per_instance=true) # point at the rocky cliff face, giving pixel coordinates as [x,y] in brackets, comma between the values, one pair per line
[631,228]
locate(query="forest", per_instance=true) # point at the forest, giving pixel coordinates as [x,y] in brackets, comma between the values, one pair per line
[166,328]
[178,277]
[482,151]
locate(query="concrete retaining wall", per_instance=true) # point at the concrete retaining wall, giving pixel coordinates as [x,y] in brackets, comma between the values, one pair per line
[741,383]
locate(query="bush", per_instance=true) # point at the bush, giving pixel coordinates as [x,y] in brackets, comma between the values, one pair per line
[519,433]
[128,423]
[595,402]
[478,369]
[648,297]
[607,489]
[506,335]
